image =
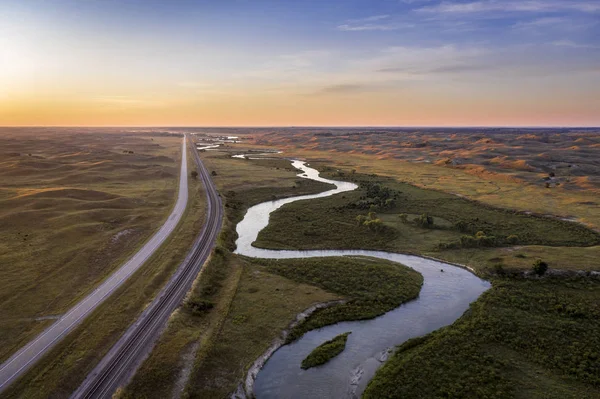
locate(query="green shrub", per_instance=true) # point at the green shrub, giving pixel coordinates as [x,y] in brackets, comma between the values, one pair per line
[326,351]
[540,267]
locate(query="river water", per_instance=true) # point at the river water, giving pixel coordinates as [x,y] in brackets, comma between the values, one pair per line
[444,297]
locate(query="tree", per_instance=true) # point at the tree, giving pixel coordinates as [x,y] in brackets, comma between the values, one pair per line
[512,239]
[540,267]
[360,220]
[425,220]
[194,174]
[213,173]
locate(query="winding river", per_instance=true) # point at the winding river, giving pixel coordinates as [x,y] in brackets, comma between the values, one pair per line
[444,297]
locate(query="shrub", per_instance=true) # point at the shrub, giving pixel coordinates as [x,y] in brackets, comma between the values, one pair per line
[424,221]
[198,307]
[512,239]
[540,267]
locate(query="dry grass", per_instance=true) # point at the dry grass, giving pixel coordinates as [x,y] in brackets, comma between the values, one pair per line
[62,370]
[73,207]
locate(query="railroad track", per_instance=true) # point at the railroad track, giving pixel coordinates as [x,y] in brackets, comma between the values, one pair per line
[120,363]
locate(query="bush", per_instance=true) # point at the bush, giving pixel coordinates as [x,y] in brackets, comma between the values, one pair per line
[326,351]
[540,267]
[199,307]
[424,221]
[512,239]
[194,174]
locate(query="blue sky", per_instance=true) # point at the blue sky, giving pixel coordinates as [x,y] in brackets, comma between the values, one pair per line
[314,62]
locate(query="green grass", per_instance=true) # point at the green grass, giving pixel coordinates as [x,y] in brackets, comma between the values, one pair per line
[331,223]
[63,369]
[372,287]
[326,351]
[522,338]
[264,305]
[480,185]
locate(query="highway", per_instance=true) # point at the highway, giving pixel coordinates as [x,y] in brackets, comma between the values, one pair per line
[121,362]
[24,358]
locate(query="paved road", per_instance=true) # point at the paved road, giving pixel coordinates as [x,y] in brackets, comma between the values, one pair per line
[23,359]
[124,358]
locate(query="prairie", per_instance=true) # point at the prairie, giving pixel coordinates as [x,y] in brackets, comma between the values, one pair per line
[74,204]
[64,368]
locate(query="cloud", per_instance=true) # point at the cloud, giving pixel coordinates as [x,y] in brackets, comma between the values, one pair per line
[512,6]
[540,22]
[127,102]
[444,69]
[372,27]
[569,43]
[342,89]
[370,19]
[367,24]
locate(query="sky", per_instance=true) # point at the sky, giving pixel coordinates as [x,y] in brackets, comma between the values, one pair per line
[300,63]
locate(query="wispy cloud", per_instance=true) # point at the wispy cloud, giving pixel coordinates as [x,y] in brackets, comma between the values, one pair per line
[540,22]
[512,6]
[345,88]
[373,23]
[367,27]
[445,69]
[127,102]
[372,18]
[569,43]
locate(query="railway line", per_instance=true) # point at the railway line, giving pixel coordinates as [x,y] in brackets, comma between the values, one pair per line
[120,363]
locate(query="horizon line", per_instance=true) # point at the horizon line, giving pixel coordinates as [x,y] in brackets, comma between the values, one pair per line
[314,126]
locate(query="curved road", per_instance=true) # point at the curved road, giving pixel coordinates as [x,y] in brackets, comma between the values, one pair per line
[23,359]
[121,362]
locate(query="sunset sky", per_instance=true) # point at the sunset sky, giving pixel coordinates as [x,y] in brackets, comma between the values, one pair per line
[310,62]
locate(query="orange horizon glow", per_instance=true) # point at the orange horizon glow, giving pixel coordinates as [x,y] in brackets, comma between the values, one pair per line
[96,64]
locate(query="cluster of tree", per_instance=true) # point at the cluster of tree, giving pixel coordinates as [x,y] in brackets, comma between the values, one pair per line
[479,240]
[371,221]
[423,220]
[124,152]
[376,198]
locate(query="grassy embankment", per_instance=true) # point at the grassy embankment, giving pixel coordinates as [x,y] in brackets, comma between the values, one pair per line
[262,309]
[73,207]
[60,372]
[326,351]
[259,299]
[521,339]
[310,227]
[372,287]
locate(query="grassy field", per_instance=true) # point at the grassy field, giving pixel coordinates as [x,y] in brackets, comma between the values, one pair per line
[73,206]
[60,372]
[372,287]
[326,351]
[193,330]
[489,188]
[332,223]
[521,339]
